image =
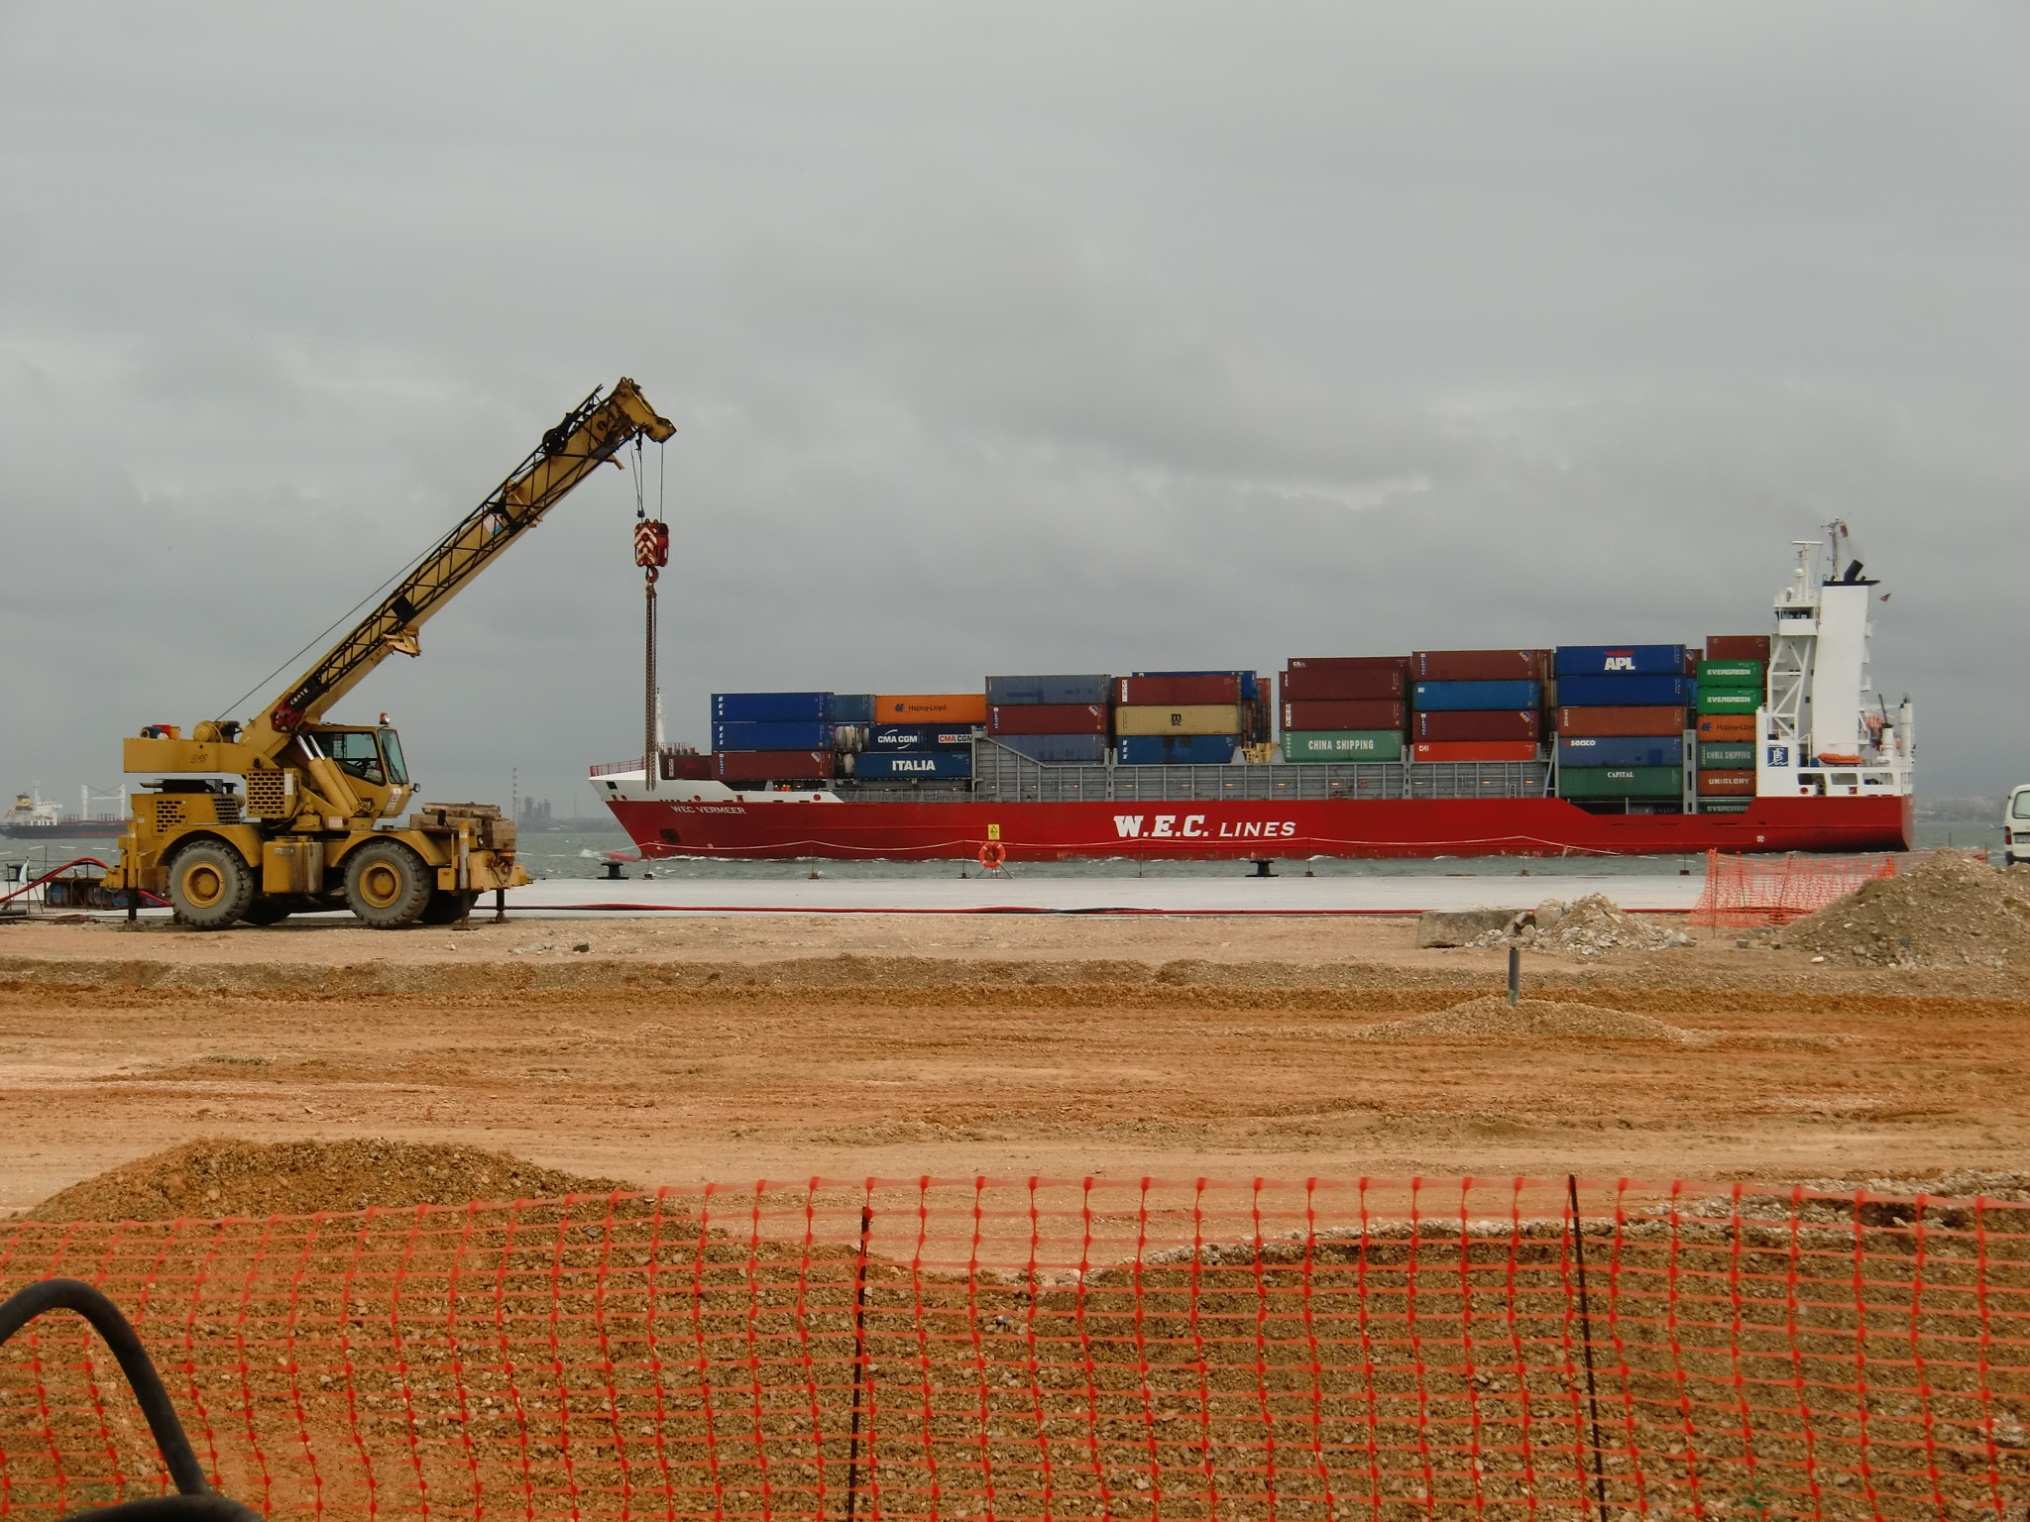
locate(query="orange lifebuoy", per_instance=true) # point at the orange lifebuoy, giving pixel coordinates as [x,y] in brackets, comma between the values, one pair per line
[992,854]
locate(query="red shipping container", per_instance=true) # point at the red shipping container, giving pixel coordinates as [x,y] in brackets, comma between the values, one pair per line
[1737,647]
[1047,719]
[1692,659]
[1374,713]
[773,765]
[1175,691]
[1474,750]
[1480,665]
[1596,723]
[686,766]
[1323,682]
[1491,724]
[1726,784]
[1728,728]
[1349,663]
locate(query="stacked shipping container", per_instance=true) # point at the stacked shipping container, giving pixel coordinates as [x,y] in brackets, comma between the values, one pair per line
[1345,708]
[1733,682]
[1477,705]
[1621,721]
[761,737]
[920,736]
[1185,718]
[1051,718]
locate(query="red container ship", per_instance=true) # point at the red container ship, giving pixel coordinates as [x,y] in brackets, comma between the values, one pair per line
[1829,772]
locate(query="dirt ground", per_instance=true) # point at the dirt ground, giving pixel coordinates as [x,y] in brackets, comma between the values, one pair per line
[731,1049]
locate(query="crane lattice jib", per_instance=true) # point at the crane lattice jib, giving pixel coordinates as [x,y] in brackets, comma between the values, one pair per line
[589,435]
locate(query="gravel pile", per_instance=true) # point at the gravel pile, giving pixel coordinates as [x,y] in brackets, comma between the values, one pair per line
[1493,1018]
[1946,910]
[1587,927]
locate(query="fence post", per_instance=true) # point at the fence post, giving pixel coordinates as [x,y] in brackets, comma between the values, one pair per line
[1515,975]
[1586,1341]
[859,1361]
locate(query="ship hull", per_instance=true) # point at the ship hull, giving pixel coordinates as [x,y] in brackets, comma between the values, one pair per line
[1234,829]
[69,829]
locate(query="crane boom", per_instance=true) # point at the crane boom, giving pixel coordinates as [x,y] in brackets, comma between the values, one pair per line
[589,435]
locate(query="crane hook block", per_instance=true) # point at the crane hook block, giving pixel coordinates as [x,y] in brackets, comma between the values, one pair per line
[651,543]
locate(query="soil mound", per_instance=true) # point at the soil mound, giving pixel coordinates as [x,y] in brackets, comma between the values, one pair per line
[1946,910]
[1492,1018]
[213,1177]
[1587,927]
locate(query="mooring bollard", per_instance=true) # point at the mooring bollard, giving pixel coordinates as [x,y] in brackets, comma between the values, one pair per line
[1515,974]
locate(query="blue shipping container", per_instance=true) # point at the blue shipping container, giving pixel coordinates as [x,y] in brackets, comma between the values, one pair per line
[1087,750]
[1251,681]
[1623,691]
[1003,691]
[852,708]
[1175,750]
[1620,660]
[804,736]
[1634,750]
[888,766]
[921,737]
[772,708]
[1472,697]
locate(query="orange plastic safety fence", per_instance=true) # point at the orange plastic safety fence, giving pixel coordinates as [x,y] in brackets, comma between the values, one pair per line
[1296,1351]
[1745,891]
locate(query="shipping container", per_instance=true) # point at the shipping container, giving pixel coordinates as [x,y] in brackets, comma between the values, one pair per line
[1350,663]
[1194,719]
[1737,647]
[1432,751]
[1048,719]
[1085,750]
[1621,750]
[1621,721]
[774,765]
[1480,665]
[805,736]
[1727,784]
[1668,690]
[1455,697]
[1732,674]
[1334,684]
[1725,805]
[1735,727]
[686,766]
[1475,724]
[1722,757]
[1343,745]
[771,707]
[1003,691]
[1620,660]
[930,708]
[1250,685]
[1176,691]
[1176,750]
[920,737]
[1374,713]
[1729,699]
[852,708]
[1622,782]
[894,765]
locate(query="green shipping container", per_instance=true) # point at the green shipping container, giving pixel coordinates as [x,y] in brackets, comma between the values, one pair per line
[1342,745]
[1729,699]
[1621,781]
[1730,674]
[1713,756]
[1723,805]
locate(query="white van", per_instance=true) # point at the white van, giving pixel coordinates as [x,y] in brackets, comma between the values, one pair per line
[2016,827]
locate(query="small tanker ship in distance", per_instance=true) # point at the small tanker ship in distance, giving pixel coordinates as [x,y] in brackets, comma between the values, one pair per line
[1752,743]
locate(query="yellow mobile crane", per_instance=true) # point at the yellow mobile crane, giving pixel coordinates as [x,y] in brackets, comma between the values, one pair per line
[308,832]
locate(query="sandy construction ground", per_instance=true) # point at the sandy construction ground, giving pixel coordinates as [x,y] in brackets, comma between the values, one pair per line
[673,1052]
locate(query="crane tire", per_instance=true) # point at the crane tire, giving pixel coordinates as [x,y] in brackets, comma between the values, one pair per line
[210,886]
[387,885]
[448,908]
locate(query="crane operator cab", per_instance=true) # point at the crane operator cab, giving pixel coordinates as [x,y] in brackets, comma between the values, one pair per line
[370,759]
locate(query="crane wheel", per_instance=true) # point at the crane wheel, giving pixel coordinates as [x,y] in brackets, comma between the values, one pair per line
[210,887]
[448,908]
[387,884]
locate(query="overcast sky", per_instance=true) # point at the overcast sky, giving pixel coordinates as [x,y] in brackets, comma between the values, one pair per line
[1066,337]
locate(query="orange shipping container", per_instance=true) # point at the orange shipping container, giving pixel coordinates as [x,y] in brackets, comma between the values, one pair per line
[1731,727]
[1727,784]
[1475,750]
[930,708]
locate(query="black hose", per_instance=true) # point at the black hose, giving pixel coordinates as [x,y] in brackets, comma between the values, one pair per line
[177,1455]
